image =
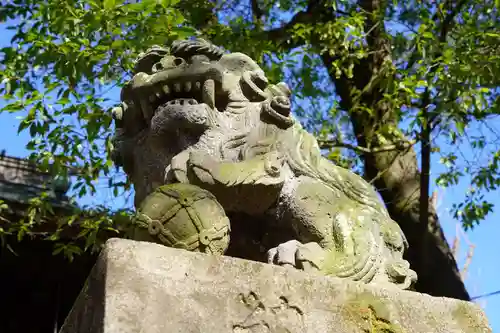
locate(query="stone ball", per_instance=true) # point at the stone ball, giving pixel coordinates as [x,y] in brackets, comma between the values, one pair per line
[183,216]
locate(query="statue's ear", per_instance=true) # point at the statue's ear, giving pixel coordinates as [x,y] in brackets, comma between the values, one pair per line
[280,89]
[285,89]
[253,85]
[277,111]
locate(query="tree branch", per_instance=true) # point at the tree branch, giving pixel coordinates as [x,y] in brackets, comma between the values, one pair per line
[328,144]
[283,36]
[448,21]
[395,174]
[425,156]
[445,28]
[256,11]
[315,13]
[485,295]
[425,138]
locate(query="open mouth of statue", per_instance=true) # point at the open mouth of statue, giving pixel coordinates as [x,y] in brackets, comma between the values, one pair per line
[180,86]
[179,93]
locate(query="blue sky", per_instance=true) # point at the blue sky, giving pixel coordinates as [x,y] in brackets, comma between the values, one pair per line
[484,273]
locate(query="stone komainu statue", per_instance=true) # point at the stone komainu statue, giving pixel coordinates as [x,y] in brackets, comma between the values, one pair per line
[198,122]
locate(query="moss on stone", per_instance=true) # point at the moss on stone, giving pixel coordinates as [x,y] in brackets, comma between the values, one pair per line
[467,320]
[370,314]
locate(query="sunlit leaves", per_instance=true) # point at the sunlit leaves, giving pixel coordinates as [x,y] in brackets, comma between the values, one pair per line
[63,59]
[472,211]
[68,59]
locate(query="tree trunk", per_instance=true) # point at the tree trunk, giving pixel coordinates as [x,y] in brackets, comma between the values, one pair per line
[395,173]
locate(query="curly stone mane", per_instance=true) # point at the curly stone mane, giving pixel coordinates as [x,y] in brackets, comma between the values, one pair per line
[303,155]
[188,48]
[179,48]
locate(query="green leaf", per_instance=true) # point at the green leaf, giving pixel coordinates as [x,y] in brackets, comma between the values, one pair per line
[183,32]
[73,52]
[91,239]
[428,34]
[460,128]
[109,4]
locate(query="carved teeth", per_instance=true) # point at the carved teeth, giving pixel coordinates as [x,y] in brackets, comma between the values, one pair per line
[117,113]
[182,101]
[164,94]
[208,93]
[147,109]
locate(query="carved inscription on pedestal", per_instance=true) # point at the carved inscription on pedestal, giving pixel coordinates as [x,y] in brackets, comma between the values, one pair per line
[282,316]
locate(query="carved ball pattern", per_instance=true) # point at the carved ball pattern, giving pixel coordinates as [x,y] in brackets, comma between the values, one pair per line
[183,216]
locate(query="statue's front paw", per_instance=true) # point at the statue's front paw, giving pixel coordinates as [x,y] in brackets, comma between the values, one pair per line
[400,274]
[307,257]
[176,171]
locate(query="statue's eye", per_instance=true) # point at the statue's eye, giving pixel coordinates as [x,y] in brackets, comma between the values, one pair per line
[178,62]
[168,63]
[157,67]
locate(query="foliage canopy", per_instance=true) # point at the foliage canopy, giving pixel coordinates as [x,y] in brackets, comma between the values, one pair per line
[437,80]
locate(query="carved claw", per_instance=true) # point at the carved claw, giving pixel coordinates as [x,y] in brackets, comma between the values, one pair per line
[178,168]
[399,273]
[203,165]
[306,257]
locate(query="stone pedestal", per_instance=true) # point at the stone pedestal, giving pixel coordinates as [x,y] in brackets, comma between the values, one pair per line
[138,287]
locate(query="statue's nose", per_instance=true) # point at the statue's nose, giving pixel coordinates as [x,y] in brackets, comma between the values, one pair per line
[168,62]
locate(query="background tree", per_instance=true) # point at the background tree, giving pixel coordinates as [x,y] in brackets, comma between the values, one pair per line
[398,78]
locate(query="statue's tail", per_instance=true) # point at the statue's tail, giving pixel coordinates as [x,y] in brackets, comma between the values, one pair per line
[360,262]
[366,257]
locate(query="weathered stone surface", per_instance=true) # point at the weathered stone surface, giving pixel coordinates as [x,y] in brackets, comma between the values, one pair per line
[140,287]
[195,114]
